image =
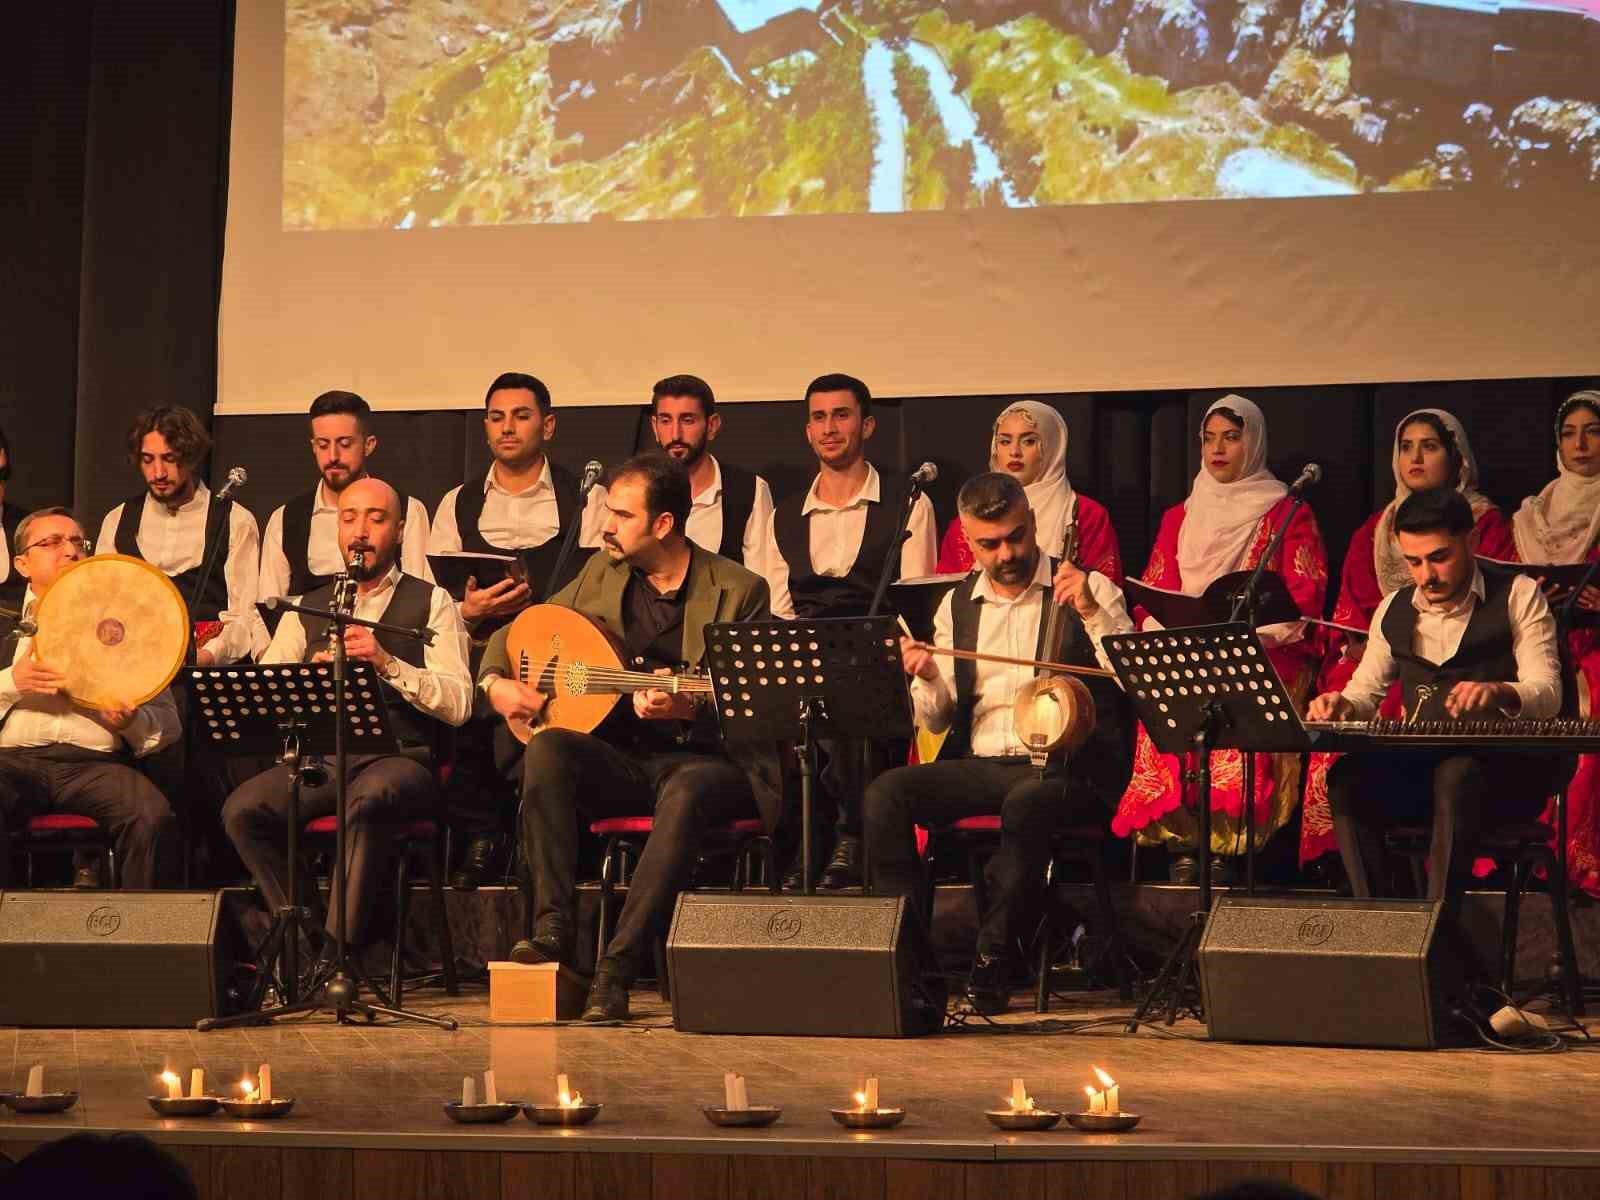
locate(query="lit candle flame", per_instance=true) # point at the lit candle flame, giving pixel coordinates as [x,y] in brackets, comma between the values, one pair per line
[1105,1080]
[168,1078]
[569,1099]
[247,1088]
[1090,1092]
[861,1100]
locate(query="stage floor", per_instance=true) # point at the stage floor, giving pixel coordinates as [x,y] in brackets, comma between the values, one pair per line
[1344,1122]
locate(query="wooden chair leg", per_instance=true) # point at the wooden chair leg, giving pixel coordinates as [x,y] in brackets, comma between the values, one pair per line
[1508,927]
[1571,981]
[437,858]
[608,868]
[402,894]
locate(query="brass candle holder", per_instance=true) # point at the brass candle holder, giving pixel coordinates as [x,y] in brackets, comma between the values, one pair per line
[482,1114]
[48,1102]
[754,1117]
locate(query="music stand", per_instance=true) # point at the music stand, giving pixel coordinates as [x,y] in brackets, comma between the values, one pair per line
[1206,688]
[833,677]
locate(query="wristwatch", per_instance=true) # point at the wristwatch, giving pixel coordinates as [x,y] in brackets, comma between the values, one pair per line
[391,669]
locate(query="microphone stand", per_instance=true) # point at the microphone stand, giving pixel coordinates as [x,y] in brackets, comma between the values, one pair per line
[208,566]
[568,539]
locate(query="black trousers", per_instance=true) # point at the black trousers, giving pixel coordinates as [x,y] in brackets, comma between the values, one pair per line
[109,789]
[478,801]
[571,779]
[1031,810]
[384,791]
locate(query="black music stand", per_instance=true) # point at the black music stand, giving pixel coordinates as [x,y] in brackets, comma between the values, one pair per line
[1211,687]
[834,677]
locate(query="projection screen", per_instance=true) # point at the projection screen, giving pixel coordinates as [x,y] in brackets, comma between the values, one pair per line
[980,197]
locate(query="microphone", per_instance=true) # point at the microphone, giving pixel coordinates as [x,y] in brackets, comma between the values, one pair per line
[591,476]
[237,478]
[1309,477]
[925,474]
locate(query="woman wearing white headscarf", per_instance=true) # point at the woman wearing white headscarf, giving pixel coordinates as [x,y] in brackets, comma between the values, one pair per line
[1232,512]
[1029,443]
[1430,450]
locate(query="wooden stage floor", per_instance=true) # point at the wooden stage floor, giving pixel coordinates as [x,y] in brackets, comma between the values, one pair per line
[368,1119]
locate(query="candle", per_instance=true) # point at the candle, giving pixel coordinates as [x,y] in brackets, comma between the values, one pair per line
[735,1096]
[469,1091]
[1097,1100]
[1113,1105]
[174,1085]
[867,1097]
[490,1095]
[36,1080]
[264,1084]
[249,1091]
[197,1083]
[1020,1100]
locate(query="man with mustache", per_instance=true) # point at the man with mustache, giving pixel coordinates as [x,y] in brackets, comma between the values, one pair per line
[1493,638]
[829,544]
[525,502]
[423,687]
[1001,609]
[300,548]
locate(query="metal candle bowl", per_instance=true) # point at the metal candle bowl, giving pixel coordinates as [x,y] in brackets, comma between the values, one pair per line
[185,1106]
[257,1110]
[556,1114]
[1028,1120]
[868,1118]
[481,1114]
[50,1102]
[1093,1122]
[750,1118]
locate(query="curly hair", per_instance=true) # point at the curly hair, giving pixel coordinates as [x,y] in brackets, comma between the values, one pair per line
[181,429]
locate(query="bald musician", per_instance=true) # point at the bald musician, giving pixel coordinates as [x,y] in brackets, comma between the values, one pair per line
[424,687]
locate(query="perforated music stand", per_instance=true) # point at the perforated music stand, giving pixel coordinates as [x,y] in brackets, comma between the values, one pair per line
[1211,687]
[833,677]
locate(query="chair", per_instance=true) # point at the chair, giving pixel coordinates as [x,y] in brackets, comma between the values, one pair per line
[745,840]
[979,836]
[67,833]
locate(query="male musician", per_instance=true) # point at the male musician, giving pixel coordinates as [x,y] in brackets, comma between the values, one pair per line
[732,508]
[1494,640]
[174,526]
[1000,609]
[300,548]
[523,502]
[12,584]
[829,545]
[56,755]
[423,686]
[656,754]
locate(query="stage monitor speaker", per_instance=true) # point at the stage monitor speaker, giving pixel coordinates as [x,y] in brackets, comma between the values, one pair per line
[1327,972]
[138,960]
[830,966]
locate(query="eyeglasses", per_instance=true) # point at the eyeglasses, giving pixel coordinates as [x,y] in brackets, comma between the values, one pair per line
[56,540]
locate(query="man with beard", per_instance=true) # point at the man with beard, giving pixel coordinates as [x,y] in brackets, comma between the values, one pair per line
[175,527]
[423,687]
[732,508]
[1001,609]
[657,754]
[300,548]
[523,502]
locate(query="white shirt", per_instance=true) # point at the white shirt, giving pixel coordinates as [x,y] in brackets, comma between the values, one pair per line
[835,533]
[35,720]
[174,542]
[1009,627]
[514,520]
[322,550]
[704,527]
[441,687]
[1438,635]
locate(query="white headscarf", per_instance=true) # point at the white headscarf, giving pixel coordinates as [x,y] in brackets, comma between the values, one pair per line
[1560,524]
[1386,558]
[1051,497]
[1220,519]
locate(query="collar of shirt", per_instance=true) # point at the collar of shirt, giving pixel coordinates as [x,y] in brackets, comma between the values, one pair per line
[984,588]
[868,494]
[195,503]
[29,599]
[1475,594]
[713,491]
[493,484]
[384,586]
[320,504]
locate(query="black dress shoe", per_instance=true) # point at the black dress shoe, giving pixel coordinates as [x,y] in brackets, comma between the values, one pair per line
[545,946]
[989,986]
[844,868]
[1183,868]
[477,864]
[608,995]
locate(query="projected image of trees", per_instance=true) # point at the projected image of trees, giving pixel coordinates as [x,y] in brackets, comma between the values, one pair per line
[416,113]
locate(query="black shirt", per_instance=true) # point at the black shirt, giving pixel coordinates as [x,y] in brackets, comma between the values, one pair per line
[652,637]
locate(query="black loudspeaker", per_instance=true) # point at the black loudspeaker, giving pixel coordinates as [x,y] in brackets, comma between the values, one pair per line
[139,960]
[1327,972]
[833,966]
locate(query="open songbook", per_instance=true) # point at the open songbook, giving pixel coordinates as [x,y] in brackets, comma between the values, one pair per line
[1214,606]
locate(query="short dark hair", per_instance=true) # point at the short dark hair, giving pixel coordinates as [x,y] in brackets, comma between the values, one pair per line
[88,1164]
[989,496]
[1447,436]
[343,404]
[666,485]
[181,429]
[842,383]
[684,385]
[1434,510]
[1227,414]
[517,381]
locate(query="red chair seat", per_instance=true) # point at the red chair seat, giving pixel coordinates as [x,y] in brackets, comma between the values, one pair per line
[981,824]
[623,826]
[63,823]
[418,830]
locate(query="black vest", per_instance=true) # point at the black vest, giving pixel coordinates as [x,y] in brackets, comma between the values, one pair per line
[409,605]
[297,541]
[1103,759]
[1485,652]
[538,559]
[12,590]
[738,501]
[850,595]
[219,534]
